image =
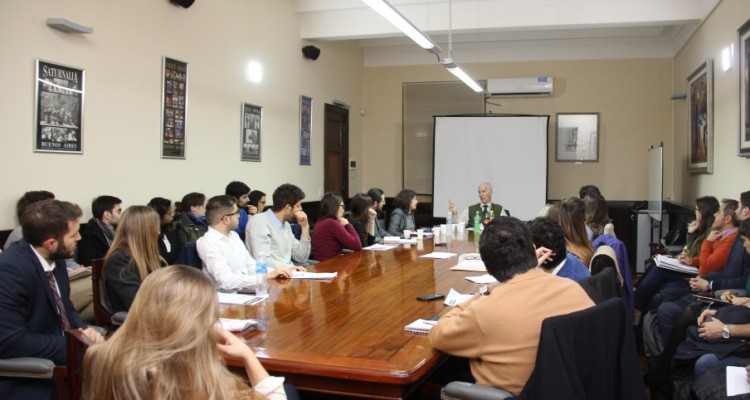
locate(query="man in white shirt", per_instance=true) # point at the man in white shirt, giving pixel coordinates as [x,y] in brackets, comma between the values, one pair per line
[224,256]
[269,233]
[484,206]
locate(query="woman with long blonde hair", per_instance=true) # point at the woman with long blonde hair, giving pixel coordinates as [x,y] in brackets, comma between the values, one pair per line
[572,219]
[170,348]
[134,254]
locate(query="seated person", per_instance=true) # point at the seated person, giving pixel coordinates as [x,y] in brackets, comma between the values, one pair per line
[27,199]
[402,217]
[378,203]
[499,332]
[484,206]
[134,254]
[166,350]
[333,232]
[596,216]
[270,233]
[240,191]
[571,214]
[546,233]
[364,218]
[225,259]
[192,223]
[34,294]
[169,245]
[100,230]
[256,202]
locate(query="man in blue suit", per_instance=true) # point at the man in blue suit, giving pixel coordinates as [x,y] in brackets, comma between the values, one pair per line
[35,294]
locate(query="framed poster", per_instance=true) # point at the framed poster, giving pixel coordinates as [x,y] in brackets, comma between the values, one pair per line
[305,129]
[58,108]
[252,117]
[174,108]
[744,132]
[700,93]
[577,138]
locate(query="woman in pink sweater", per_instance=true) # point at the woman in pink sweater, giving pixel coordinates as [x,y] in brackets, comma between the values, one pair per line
[333,232]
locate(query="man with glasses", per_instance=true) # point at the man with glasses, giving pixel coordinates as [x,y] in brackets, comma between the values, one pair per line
[224,256]
[270,234]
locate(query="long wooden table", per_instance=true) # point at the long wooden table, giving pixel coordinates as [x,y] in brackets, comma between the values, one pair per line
[346,337]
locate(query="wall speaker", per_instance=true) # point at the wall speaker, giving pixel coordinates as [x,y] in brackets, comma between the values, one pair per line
[183,3]
[311,52]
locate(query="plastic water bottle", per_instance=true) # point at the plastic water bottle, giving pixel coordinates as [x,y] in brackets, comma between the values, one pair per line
[477,226]
[449,218]
[261,280]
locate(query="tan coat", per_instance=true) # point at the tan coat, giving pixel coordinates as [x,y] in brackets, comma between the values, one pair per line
[500,332]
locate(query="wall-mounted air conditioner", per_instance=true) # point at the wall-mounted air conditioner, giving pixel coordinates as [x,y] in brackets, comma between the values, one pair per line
[520,87]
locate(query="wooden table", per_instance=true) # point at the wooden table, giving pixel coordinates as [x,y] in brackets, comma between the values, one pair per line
[346,337]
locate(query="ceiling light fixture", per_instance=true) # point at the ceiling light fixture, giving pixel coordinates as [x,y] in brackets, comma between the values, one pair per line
[386,10]
[454,69]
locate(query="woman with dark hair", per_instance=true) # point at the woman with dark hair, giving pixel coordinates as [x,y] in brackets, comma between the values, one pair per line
[256,199]
[378,203]
[169,245]
[363,218]
[333,232]
[402,216]
[572,219]
[596,215]
[705,209]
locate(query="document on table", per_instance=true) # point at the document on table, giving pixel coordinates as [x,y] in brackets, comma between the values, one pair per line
[314,275]
[470,262]
[438,255]
[454,298]
[398,240]
[379,247]
[737,381]
[674,264]
[242,299]
[237,325]
[422,326]
[481,279]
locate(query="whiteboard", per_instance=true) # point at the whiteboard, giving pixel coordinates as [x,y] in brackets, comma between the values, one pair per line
[509,152]
[655,182]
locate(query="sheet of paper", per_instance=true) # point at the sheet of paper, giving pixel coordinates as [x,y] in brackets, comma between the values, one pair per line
[674,265]
[470,262]
[237,325]
[454,298]
[481,279]
[438,255]
[314,275]
[243,299]
[737,381]
[398,240]
[379,247]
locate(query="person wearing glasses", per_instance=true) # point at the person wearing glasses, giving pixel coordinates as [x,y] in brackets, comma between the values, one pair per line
[333,232]
[225,258]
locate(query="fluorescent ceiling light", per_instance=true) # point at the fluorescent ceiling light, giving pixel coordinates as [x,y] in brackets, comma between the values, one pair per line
[454,69]
[404,25]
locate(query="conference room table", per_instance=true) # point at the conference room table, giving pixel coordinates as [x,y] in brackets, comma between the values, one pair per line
[346,336]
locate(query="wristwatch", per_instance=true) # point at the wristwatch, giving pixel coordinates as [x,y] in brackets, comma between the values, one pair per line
[484,290]
[725,332]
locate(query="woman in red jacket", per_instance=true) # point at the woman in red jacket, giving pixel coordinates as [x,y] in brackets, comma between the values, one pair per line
[333,232]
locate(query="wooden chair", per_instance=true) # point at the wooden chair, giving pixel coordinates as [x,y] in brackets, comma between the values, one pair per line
[102,314]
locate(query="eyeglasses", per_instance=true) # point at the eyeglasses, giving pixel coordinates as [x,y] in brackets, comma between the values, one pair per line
[234,213]
[341,205]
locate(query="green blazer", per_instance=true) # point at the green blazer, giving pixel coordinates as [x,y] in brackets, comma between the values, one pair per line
[478,207]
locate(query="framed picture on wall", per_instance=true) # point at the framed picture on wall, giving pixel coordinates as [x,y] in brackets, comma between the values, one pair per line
[700,92]
[252,117]
[577,138]
[174,108]
[58,108]
[744,132]
[305,129]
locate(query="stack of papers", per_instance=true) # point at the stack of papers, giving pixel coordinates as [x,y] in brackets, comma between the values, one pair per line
[379,247]
[314,275]
[398,240]
[481,279]
[242,299]
[438,255]
[420,326]
[237,325]
[470,262]
[674,264]
[454,298]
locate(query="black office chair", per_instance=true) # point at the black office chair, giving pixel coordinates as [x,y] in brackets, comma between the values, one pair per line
[103,315]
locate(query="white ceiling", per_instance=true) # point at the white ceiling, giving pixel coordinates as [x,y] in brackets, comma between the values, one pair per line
[509,30]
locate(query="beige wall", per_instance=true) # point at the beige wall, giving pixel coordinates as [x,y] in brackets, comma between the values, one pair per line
[631,96]
[730,171]
[123,59]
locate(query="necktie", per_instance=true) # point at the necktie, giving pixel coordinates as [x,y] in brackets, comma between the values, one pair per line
[58,302]
[484,209]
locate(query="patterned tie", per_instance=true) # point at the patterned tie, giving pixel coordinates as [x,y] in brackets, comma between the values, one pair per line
[58,302]
[484,208]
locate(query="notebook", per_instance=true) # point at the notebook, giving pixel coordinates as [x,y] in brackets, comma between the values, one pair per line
[421,326]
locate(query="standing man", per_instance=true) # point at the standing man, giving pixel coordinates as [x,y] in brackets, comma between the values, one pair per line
[484,206]
[225,258]
[269,233]
[499,331]
[241,193]
[100,230]
[35,294]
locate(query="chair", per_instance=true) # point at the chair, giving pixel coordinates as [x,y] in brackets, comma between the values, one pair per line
[588,354]
[189,256]
[68,378]
[102,314]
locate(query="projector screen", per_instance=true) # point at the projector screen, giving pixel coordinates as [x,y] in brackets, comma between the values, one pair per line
[509,152]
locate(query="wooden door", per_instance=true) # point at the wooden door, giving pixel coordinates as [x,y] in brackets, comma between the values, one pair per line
[336,150]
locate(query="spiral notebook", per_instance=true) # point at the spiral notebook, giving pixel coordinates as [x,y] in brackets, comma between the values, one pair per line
[421,326]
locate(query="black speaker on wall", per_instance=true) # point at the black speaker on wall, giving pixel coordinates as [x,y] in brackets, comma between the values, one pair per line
[183,3]
[311,52]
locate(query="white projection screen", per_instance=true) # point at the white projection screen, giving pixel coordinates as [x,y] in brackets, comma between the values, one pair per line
[510,152]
